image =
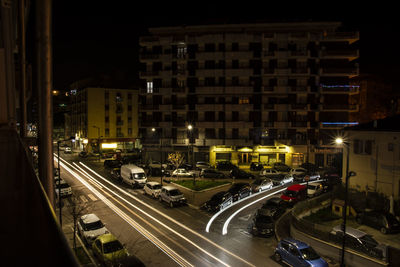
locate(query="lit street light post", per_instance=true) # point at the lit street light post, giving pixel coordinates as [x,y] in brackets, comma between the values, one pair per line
[98,139]
[190,128]
[339,141]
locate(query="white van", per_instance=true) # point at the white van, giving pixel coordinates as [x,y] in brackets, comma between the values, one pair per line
[133,175]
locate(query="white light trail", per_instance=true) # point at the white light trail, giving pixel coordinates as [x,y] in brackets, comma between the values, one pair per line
[225,227]
[164,215]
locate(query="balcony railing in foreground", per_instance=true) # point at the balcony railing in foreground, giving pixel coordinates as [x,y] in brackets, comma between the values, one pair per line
[28,225]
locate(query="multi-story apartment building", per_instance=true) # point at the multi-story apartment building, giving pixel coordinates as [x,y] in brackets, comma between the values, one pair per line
[251,92]
[104,118]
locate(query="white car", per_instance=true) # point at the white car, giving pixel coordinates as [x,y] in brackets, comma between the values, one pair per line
[297,171]
[63,188]
[282,179]
[261,184]
[269,172]
[315,189]
[152,189]
[67,150]
[157,165]
[182,173]
[90,227]
[172,196]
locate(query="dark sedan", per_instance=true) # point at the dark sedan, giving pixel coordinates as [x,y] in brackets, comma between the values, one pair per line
[218,201]
[263,223]
[240,174]
[276,206]
[240,190]
[111,163]
[211,173]
[383,221]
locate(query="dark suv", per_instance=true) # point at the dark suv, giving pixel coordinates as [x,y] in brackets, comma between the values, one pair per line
[111,163]
[240,190]
[385,222]
[240,174]
[211,173]
[276,206]
[218,201]
[225,166]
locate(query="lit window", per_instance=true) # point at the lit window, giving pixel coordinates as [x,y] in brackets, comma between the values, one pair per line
[149,87]
[244,100]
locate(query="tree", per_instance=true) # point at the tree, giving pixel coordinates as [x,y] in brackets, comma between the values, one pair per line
[76,209]
[176,159]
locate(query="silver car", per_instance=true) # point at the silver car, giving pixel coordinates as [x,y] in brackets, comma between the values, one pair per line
[152,189]
[282,179]
[261,184]
[90,227]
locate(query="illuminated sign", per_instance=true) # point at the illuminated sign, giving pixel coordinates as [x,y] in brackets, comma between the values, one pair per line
[109,145]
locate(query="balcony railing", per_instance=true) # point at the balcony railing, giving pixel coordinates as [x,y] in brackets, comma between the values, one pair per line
[27,215]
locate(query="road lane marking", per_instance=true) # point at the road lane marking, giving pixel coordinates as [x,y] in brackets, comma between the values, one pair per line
[92,197]
[83,198]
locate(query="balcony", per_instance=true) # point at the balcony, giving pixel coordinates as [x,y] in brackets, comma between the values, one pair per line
[179,107]
[149,107]
[340,107]
[144,74]
[338,71]
[269,106]
[209,90]
[30,228]
[209,124]
[209,107]
[352,89]
[350,54]
[299,106]
[298,124]
[341,36]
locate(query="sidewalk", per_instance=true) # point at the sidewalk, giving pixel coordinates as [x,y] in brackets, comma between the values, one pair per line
[82,253]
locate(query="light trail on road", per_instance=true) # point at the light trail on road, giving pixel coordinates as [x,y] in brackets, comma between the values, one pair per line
[102,186]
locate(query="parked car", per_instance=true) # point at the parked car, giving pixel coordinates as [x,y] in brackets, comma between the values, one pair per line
[269,172]
[315,189]
[256,166]
[383,221]
[297,253]
[186,166]
[281,167]
[116,174]
[67,150]
[226,166]
[83,154]
[202,165]
[263,223]
[109,250]
[152,189]
[172,196]
[312,176]
[157,165]
[133,175]
[112,163]
[90,227]
[182,173]
[281,179]
[218,201]
[211,173]
[63,189]
[310,167]
[240,174]
[261,184]
[294,194]
[360,241]
[276,206]
[240,190]
[298,172]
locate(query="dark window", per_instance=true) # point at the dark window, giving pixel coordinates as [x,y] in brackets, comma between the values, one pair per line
[235,81]
[235,133]
[221,64]
[209,64]
[235,116]
[107,119]
[235,47]
[221,81]
[221,133]
[358,147]
[107,107]
[235,64]
[209,100]
[210,133]
[221,116]
[209,116]
[368,147]
[209,47]
[209,81]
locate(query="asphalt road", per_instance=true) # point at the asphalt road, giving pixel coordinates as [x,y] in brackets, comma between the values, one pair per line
[162,236]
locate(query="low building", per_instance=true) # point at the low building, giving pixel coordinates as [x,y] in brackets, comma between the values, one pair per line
[374,154]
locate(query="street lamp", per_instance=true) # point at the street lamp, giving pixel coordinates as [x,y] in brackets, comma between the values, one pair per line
[339,141]
[59,175]
[161,160]
[190,128]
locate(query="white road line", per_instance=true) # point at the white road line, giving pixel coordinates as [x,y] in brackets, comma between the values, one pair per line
[92,197]
[83,198]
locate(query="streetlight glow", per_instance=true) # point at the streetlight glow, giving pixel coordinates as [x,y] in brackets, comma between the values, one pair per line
[339,140]
[190,127]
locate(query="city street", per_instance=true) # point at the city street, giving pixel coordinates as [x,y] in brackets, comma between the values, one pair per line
[160,235]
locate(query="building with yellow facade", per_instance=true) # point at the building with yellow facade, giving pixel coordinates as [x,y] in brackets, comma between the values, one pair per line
[104,119]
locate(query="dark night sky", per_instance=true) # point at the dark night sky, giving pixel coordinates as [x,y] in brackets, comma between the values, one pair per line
[92,37]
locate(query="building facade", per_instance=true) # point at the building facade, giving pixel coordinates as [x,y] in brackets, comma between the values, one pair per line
[251,92]
[104,118]
[374,154]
